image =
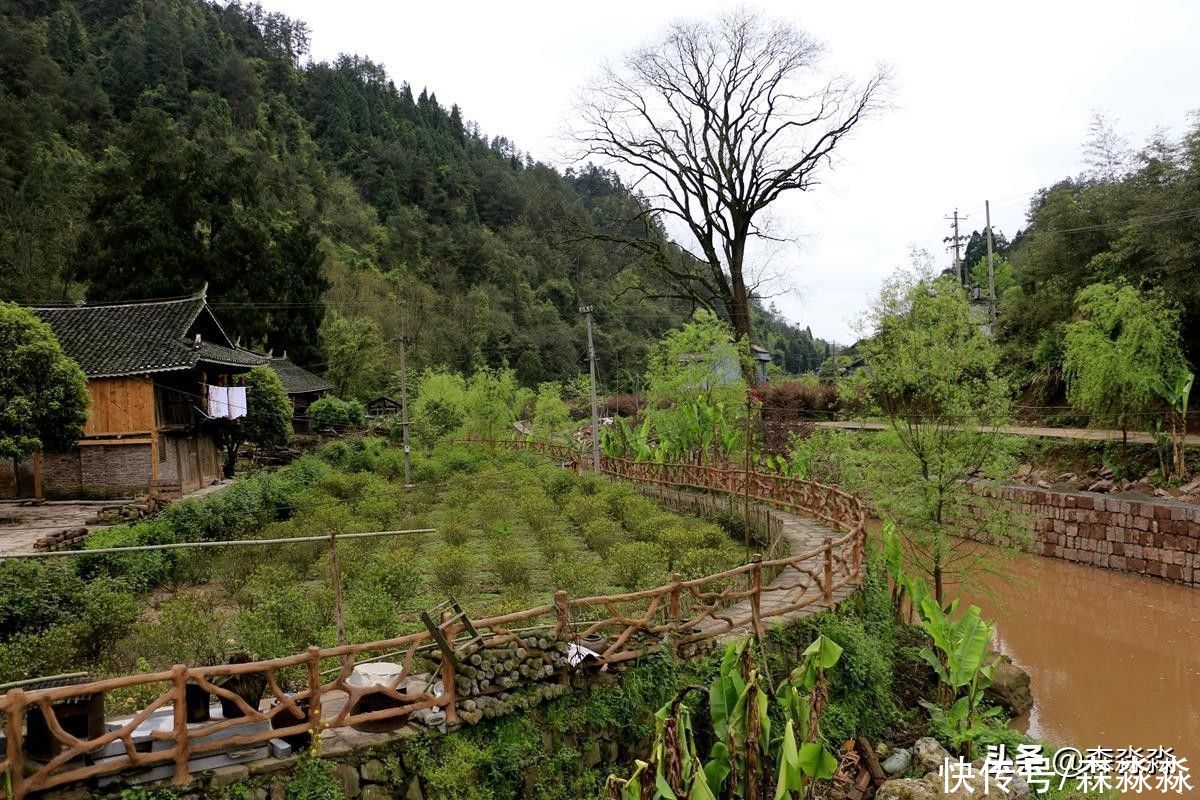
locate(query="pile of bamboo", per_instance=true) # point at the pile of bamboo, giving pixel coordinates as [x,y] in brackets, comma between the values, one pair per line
[509,675]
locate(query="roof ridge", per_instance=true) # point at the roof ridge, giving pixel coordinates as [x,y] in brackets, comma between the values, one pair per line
[191,298]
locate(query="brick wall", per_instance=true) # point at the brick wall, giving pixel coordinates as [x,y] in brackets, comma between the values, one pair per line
[1145,537]
[115,470]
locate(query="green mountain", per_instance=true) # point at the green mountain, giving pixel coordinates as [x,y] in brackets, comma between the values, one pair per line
[150,147]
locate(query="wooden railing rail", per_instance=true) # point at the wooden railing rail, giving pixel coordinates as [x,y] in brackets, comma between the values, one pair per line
[675,614]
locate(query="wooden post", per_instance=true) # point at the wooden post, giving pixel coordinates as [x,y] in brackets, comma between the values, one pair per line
[314,693]
[153,459]
[335,576]
[562,627]
[828,570]
[858,548]
[180,732]
[676,589]
[450,630]
[37,474]
[756,598]
[14,732]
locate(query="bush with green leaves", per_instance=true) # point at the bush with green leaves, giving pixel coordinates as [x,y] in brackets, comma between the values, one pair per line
[637,565]
[513,569]
[333,413]
[451,569]
[268,420]
[602,535]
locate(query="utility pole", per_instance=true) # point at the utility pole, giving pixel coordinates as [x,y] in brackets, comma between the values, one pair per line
[956,243]
[404,403]
[987,210]
[587,312]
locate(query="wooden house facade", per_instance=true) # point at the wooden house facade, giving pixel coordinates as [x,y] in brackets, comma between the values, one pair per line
[152,368]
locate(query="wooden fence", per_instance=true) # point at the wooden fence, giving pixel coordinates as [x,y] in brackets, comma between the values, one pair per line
[677,614]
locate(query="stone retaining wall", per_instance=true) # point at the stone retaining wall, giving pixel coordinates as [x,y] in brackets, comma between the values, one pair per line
[1145,537]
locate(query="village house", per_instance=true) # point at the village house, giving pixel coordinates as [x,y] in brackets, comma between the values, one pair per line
[162,375]
[302,387]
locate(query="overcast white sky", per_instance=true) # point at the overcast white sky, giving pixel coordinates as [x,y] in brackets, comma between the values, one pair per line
[990,102]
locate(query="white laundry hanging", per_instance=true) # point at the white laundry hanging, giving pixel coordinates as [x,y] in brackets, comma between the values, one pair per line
[237,402]
[218,401]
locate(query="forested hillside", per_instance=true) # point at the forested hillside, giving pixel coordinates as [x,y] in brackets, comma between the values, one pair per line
[148,147]
[1133,216]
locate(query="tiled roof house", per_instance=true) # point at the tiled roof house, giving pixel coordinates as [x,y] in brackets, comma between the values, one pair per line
[302,386]
[152,369]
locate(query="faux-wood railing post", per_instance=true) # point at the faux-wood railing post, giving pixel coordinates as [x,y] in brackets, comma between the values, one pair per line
[756,597]
[857,554]
[676,588]
[828,570]
[314,692]
[13,731]
[562,616]
[183,746]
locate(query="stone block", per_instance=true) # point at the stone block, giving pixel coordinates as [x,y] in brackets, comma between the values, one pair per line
[374,771]
[224,777]
[347,776]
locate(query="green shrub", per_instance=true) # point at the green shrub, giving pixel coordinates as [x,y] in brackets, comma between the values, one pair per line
[677,541]
[582,509]
[602,534]
[451,568]
[537,510]
[637,565]
[703,561]
[395,574]
[312,780]
[513,569]
[333,412]
[578,576]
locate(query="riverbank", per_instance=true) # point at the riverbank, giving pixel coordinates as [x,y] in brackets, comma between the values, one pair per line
[1113,657]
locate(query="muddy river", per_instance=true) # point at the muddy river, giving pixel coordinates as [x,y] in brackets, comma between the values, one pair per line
[1114,658]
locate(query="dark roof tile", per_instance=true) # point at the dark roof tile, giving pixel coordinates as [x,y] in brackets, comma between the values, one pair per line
[297,380]
[135,338]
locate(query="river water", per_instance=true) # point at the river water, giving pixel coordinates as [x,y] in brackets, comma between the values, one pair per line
[1114,659]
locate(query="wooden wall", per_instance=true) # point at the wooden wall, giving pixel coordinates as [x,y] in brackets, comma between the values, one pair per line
[121,405]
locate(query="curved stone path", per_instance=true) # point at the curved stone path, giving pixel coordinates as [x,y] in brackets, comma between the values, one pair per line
[802,534]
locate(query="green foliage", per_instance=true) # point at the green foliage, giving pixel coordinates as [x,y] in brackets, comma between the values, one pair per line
[312,779]
[331,412]
[697,397]
[493,401]
[356,354]
[1121,349]
[550,414]
[268,421]
[514,570]
[746,757]
[1124,215]
[959,656]
[933,373]
[451,568]
[439,407]
[637,565]
[43,394]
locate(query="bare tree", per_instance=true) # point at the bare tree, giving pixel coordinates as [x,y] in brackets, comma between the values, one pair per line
[717,120]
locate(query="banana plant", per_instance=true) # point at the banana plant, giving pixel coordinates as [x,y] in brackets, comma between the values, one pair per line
[1176,395]
[959,659]
[802,700]
[746,760]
